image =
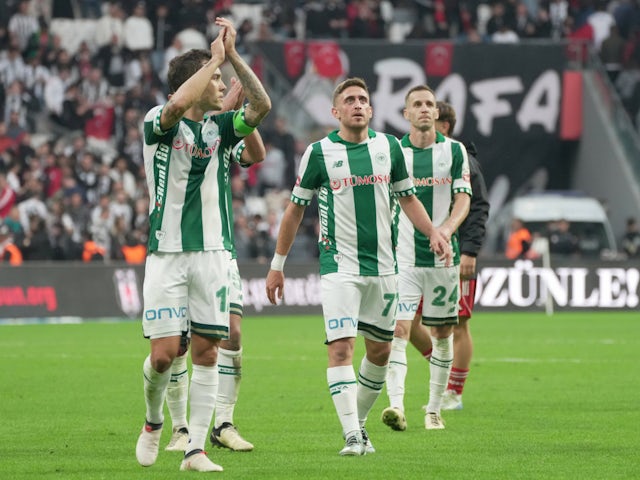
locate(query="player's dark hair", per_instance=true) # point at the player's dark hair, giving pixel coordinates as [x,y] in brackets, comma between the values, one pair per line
[184,66]
[447,114]
[349,82]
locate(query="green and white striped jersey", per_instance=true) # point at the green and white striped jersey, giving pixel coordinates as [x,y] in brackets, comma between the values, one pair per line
[438,172]
[187,169]
[355,183]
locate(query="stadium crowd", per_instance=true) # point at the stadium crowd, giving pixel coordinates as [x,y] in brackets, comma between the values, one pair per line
[72,180]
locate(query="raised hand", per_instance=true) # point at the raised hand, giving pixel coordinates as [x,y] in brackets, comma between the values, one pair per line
[229,34]
[217,47]
[234,98]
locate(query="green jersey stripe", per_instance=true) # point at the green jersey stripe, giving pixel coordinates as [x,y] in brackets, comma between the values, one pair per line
[365,217]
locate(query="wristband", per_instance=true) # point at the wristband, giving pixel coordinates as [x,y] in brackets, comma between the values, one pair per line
[278,262]
[241,127]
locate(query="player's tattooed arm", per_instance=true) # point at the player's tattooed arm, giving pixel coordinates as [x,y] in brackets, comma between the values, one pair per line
[259,102]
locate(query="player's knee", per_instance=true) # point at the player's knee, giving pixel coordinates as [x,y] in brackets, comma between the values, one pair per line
[340,352]
[402,329]
[161,361]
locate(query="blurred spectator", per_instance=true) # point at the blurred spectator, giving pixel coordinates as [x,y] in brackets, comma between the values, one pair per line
[134,250]
[16,105]
[631,239]
[120,207]
[16,126]
[120,173]
[102,222]
[612,53]
[260,243]
[80,214]
[36,245]
[111,59]
[82,59]
[558,14]
[282,139]
[110,25]
[141,217]
[7,196]
[519,241]
[561,240]
[138,31]
[601,22]
[75,110]
[524,24]
[325,19]
[628,87]
[52,174]
[94,88]
[12,66]
[31,204]
[118,238]
[55,91]
[92,251]
[87,176]
[62,246]
[12,220]
[6,142]
[42,42]
[271,172]
[543,26]
[106,185]
[364,20]
[589,244]
[9,253]
[22,25]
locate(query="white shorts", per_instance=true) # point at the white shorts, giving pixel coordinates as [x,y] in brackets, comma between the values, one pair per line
[186,292]
[236,304]
[440,288]
[354,303]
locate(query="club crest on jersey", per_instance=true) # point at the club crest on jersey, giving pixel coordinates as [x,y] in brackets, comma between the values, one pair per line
[380,158]
[160,235]
[338,257]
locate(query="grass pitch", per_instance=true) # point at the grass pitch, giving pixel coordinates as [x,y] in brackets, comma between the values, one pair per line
[547,398]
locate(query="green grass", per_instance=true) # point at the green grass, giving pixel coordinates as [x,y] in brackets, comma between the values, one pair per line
[547,398]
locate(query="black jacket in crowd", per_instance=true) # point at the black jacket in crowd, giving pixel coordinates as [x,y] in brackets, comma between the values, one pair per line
[472,231]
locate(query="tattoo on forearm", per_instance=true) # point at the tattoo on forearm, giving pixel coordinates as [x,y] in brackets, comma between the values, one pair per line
[259,103]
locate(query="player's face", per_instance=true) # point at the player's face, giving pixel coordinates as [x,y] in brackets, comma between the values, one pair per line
[212,96]
[421,110]
[352,108]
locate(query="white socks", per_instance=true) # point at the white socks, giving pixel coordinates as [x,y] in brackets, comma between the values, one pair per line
[178,391]
[155,387]
[230,371]
[202,394]
[397,373]
[342,386]
[371,379]
[439,369]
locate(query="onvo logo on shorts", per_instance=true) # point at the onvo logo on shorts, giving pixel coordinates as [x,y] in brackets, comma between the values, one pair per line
[166,313]
[335,323]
